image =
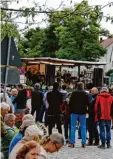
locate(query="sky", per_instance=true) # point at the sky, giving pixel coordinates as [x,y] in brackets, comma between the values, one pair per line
[55,4]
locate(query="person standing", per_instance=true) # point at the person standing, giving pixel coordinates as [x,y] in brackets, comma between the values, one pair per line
[78,104]
[36,100]
[55,100]
[20,100]
[92,125]
[104,114]
[14,93]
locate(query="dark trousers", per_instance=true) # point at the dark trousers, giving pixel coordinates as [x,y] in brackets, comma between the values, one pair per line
[37,113]
[93,131]
[52,120]
[41,114]
[66,127]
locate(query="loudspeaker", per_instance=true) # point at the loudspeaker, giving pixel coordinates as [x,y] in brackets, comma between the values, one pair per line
[98,77]
[50,74]
[13,75]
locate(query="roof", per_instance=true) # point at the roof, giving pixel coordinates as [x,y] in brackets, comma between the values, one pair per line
[56,61]
[107,42]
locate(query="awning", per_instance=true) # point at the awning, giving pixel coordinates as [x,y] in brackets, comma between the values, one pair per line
[56,61]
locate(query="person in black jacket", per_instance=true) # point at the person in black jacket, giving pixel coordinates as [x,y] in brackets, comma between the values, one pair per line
[55,100]
[36,100]
[20,100]
[78,104]
[92,128]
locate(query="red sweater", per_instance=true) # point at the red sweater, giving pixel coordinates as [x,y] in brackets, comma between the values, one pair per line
[104,106]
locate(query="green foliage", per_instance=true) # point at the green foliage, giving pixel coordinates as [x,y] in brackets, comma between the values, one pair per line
[79,33]
[31,43]
[109,72]
[49,43]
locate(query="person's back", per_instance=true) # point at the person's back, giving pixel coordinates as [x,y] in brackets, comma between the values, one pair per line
[104,106]
[21,98]
[54,99]
[36,98]
[79,102]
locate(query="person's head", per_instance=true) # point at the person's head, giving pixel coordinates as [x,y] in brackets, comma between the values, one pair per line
[104,89]
[19,87]
[14,92]
[53,143]
[55,86]
[37,86]
[80,86]
[50,88]
[28,117]
[25,124]
[9,120]
[4,108]
[64,87]
[30,150]
[94,91]
[33,133]
[24,86]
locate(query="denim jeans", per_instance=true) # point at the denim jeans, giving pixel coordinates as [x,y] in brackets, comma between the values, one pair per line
[82,120]
[105,131]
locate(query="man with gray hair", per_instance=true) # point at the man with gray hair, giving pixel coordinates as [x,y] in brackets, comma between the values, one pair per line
[78,108]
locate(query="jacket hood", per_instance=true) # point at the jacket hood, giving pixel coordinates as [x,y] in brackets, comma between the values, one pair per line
[104,94]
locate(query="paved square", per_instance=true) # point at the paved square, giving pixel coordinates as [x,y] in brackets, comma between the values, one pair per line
[90,152]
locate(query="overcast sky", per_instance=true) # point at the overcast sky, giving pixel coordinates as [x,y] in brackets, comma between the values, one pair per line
[55,4]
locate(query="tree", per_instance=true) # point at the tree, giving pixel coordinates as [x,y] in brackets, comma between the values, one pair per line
[78,33]
[49,43]
[31,43]
[7,28]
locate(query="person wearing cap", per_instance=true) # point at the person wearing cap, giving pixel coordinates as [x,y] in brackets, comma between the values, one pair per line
[104,114]
[31,133]
[36,101]
[27,121]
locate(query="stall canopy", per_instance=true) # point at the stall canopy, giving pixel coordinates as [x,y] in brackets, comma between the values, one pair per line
[58,62]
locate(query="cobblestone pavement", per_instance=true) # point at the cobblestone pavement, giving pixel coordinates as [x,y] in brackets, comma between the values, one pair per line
[90,152]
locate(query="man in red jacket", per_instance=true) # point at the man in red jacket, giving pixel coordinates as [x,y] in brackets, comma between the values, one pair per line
[104,114]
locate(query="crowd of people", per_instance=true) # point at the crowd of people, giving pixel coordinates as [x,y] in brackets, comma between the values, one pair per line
[89,111]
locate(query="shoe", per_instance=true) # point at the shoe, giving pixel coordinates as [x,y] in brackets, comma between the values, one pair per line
[83,145]
[79,137]
[71,145]
[108,146]
[67,141]
[96,143]
[89,144]
[101,146]
[112,127]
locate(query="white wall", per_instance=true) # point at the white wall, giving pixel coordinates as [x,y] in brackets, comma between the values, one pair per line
[106,58]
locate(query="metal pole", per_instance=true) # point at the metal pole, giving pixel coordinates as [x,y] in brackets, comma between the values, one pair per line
[7,67]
